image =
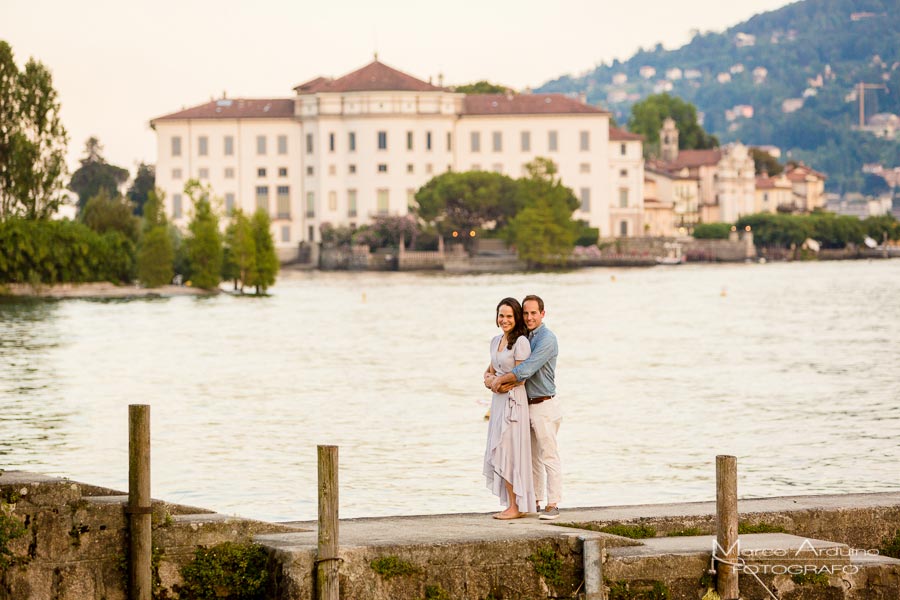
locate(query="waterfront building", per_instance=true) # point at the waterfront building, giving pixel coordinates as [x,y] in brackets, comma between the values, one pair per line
[808,187]
[345,150]
[772,192]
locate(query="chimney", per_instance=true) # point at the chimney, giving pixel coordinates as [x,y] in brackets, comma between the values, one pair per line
[582,97]
[440,80]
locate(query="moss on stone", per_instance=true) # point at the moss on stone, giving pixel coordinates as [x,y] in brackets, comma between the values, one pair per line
[10,529]
[392,566]
[810,579]
[687,531]
[637,590]
[436,592]
[891,546]
[548,565]
[744,527]
[229,570]
[76,532]
[635,532]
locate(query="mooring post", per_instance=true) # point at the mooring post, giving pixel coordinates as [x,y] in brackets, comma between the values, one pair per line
[726,527]
[139,509]
[592,551]
[327,561]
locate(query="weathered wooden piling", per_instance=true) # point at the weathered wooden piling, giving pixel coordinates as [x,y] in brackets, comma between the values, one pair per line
[327,561]
[726,527]
[139,508]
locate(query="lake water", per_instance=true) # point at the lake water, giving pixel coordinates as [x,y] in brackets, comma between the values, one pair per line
[791,366]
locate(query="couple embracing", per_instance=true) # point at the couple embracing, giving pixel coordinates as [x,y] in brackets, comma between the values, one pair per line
[525,414]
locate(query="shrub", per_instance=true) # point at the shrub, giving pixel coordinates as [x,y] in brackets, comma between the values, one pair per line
[712,231]
[227,570]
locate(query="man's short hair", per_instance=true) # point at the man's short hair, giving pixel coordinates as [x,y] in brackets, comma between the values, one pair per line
[534,298]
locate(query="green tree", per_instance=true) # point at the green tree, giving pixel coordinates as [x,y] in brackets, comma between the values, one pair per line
[96,174]
[482,87]
[143,185]
[875,185]
[765,162]
[883,227]
[240,251]
[204,242]
[543,231]
[103,213]
[266,268]
[156,253]
[468,201]
[32,140]
[647,118]
[712,231]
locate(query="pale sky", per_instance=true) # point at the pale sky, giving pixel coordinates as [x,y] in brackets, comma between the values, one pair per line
[118,63]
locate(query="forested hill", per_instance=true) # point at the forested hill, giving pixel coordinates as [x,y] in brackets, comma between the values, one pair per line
[796,68]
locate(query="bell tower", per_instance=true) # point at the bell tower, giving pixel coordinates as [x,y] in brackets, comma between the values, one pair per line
[668,140]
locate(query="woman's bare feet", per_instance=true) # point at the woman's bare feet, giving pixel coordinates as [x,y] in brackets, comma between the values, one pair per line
[509,514]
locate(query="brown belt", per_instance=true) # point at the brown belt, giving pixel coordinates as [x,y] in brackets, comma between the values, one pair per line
[539,399]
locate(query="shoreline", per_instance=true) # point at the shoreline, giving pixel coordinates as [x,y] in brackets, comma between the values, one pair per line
[102,290]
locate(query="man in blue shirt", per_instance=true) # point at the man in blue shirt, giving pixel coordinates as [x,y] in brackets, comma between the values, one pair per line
[538,372]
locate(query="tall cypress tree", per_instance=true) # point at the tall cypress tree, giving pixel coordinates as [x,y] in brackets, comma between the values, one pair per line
[204,242]
[156,253]
[266,267]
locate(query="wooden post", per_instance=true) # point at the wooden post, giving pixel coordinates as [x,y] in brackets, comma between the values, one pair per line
[140,582]
[592,552]
[726,527]
[327,561]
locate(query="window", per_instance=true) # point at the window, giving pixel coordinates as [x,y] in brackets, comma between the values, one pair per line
[176,173]
[282,171]
[282,144]
[310,205]
[382,140]
[351,169]
[229,145]
[310,171]
[203,173]
[202,146]
[176,206]
[526,141]
[449,141]
[409,168]
[332,201]
[351,141]
[261,145]
[351,203]
[429,169]
[229,203]
[623,149]
[409,140]
[497,141]
[383,202]
[312,233]
[584,141]
[331,142]
[261,172]
[382,168]
[475,141]
[552,140]
[584,168]
[176,146]
[623,228]
[623,172]
[285,233]
[262,197]
[229,172]
[497,168]
[283,201]
[585,199]
[309,143]
[428,140]
[623,197]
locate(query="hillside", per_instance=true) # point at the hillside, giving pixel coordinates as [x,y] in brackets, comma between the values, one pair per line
[786,78]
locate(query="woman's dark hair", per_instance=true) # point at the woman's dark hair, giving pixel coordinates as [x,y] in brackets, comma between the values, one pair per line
[518,320]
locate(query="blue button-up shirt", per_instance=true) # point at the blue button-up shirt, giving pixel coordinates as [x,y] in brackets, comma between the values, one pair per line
[539,369]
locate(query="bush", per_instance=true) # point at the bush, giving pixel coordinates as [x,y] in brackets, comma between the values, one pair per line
[712,231]
[227,570]
[49,252]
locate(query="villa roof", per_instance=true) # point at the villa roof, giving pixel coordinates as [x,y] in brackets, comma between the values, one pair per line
[800,172]
[374,77]
[525,104]
[620,135]
[770,183]
[696,158]
[235,108]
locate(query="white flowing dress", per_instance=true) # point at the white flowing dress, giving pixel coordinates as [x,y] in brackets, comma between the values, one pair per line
[508,453]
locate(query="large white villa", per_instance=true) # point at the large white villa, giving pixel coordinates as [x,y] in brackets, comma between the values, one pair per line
[342,151]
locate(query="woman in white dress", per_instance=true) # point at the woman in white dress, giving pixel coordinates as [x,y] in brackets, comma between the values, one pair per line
[507,458]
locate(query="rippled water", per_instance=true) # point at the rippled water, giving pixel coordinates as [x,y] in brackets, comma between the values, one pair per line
[792,367]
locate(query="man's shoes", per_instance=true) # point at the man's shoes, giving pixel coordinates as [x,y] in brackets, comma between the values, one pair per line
[549,513]
[537,508]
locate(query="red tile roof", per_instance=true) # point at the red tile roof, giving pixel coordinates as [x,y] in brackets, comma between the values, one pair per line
[696,158]
[770,183]
[620,135]
[525,104]
[374,77]
[801,172]
[236,108]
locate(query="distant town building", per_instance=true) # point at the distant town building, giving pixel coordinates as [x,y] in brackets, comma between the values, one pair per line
[760,74]
[647,71]
[342,151]
[674,74]
[773,192]
[620,79]
[791,105]
[808,187]
[743,40]
[883,125]
[626,176]
[693,74]
[723,77]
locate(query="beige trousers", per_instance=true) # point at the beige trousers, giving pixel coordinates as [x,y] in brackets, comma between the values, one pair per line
[546,418]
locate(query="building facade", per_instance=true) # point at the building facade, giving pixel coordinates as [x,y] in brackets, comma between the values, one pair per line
[346,150]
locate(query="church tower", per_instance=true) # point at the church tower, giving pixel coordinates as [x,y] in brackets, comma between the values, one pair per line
[668,140]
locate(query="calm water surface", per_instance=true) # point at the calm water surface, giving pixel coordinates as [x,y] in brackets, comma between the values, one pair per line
[792,367]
